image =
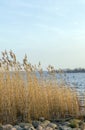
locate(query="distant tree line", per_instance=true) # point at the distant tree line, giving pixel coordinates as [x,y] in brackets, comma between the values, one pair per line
[76,70]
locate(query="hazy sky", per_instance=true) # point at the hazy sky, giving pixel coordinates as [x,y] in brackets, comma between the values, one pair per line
[50,31]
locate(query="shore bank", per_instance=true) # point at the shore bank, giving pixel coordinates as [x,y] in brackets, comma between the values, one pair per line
[42,124]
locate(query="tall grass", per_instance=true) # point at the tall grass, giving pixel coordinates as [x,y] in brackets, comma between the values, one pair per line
[28,100]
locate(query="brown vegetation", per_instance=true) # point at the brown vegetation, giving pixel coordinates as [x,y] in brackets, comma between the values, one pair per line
[22,100]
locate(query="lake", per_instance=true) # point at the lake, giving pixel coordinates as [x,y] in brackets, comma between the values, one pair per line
[76,80]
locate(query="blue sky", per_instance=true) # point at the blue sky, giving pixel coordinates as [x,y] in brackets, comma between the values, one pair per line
[50,31]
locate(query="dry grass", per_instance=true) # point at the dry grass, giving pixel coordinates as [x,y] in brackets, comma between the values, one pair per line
[26,101]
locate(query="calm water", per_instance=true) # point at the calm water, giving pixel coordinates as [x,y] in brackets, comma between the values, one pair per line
[76,80]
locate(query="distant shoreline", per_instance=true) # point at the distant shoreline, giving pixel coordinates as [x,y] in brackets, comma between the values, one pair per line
[56,71]
[71,70]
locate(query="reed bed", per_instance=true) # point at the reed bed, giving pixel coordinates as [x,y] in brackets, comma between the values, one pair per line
[33,97]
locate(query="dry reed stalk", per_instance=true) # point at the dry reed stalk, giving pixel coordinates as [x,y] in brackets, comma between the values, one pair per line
[22,100]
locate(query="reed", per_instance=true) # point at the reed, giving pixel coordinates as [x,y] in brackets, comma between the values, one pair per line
[25,97]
